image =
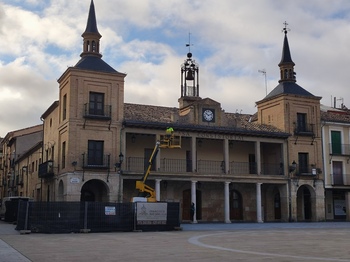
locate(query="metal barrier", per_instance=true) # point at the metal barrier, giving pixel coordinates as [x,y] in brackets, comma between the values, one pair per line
[66,217]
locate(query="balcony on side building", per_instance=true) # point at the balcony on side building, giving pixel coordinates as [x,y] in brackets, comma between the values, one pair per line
[46,169]
[340,179]
[337,149]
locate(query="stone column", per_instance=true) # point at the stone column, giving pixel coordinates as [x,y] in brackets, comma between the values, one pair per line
[227,202]
[194,153]
[258,157]
[158,189]
[193,200]
[258,203]
[226,157]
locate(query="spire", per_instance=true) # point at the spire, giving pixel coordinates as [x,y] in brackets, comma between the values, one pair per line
[286,65]
[91,36]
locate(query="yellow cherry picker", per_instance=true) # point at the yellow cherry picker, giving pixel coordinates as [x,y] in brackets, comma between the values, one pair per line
[147,193]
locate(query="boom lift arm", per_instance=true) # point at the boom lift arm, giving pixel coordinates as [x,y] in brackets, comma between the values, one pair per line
[166,141]
[141,185]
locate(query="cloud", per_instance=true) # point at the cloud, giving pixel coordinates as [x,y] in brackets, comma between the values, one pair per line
[146,39]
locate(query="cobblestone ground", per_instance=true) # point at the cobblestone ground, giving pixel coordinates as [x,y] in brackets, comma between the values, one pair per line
[196,242]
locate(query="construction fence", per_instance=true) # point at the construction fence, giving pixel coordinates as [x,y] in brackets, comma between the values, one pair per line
[67,217]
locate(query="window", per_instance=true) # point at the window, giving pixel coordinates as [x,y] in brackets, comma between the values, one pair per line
[336,142]
[301,122]
[63,154]
[95,153]
[96,103]
[303,162]
[64,107]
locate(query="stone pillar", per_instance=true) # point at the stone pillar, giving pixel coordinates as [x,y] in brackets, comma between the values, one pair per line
[194,200]
[158,189]
[258,203]
[227,202]
[226,157]
[258,157]
[194,153]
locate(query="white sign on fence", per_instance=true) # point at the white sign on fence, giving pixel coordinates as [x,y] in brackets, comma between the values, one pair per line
[110,211]
[151,213]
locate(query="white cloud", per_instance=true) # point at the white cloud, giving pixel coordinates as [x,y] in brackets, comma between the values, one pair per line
[231,39]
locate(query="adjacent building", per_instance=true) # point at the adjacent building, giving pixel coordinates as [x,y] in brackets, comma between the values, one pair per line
[336,155]
[21,156]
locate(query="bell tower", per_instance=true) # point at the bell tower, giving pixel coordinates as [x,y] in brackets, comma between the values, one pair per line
[189,80]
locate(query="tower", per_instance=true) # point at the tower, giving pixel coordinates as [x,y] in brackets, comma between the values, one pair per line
[189,81]
[296,111]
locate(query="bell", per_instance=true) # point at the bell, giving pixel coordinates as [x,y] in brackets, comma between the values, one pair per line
[190,75]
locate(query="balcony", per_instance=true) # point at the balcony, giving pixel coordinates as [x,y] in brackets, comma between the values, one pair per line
[46,169]
[306,170]
[304,130]
[95,161]
[340,179]
[103,113]
[139,164]
[336,149]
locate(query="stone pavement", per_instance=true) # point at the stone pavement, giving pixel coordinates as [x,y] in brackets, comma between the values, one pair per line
[323,241]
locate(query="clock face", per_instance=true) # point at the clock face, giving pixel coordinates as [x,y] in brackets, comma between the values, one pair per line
[208,115]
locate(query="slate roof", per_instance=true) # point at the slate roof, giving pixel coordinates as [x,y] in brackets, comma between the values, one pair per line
[94,63]
[158,117]
[286,57]
[288,88]
[91,26]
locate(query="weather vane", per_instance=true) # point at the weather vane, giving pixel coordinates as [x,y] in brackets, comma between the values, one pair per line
[285,29]
[189,43]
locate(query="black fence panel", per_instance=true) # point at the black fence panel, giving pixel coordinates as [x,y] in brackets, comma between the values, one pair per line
[12,208]
[107,217]
[67,217]
[52,217]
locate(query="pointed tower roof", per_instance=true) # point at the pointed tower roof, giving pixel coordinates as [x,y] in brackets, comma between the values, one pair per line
[91,56]
[287,83]
[91,27]
[286,57]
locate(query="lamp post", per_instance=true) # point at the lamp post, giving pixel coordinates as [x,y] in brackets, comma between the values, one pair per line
[119,164]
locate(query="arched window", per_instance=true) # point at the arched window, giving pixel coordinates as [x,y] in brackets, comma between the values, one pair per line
[87,47]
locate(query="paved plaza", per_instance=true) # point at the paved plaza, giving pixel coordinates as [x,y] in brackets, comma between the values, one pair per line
[195,242]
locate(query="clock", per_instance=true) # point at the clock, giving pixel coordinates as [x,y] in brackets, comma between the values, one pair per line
[208,115]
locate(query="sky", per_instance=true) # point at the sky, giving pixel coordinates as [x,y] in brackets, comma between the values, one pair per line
[233,41]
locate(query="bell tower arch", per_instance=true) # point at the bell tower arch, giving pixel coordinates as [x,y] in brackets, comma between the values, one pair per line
[189,80]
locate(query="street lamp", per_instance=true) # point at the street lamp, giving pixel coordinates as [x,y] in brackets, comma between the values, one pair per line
[119,164]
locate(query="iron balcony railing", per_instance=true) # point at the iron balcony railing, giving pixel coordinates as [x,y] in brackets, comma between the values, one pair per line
[304,130]
[103,113]
[339,149]
[95,161]
[46,169]
[306,170]
[139,164]
[340,179]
